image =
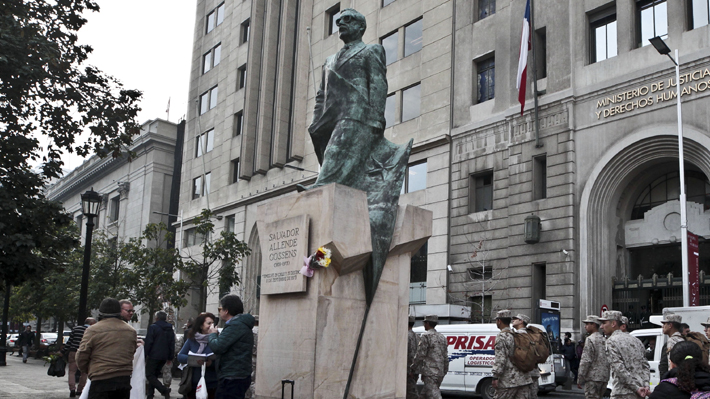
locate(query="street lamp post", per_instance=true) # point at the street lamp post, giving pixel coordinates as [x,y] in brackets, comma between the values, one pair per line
[663,49]
[90,203]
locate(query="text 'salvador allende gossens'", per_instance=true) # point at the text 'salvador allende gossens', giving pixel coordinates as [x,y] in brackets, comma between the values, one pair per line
[283,246]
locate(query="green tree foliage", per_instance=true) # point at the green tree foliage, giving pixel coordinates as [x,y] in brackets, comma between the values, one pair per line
[109,270]
[217,261]
[47,93]
[151,278]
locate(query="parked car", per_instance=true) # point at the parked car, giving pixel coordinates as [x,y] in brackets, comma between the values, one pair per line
[47,339]
[12,340]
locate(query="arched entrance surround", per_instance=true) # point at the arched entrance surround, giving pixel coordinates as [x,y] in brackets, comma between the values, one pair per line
[601,193]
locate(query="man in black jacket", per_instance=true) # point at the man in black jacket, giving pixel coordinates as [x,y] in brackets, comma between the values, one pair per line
[159,350]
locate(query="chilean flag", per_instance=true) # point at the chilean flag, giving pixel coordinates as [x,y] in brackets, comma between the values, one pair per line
[525,46]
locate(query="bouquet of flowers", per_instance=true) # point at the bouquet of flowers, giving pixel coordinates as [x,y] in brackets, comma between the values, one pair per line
[319,260]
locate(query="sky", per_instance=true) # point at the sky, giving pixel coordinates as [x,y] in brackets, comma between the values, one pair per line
[147,45]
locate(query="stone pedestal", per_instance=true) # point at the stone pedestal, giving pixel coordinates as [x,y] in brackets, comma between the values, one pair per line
[310,337]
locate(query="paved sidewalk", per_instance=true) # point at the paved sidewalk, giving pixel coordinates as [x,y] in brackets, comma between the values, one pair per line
[30,381]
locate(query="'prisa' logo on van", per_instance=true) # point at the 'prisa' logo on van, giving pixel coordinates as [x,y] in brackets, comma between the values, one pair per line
[465,345]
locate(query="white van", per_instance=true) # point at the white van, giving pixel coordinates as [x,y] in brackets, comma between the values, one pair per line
[471,356]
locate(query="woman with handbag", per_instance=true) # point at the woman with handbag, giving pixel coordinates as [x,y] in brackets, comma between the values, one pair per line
[197,343]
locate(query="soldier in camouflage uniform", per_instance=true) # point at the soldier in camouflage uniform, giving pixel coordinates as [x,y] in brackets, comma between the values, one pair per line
[671,327]
[594,366]
[628,363]
[432,358]
[508,380]
[624,324]
[707,328]
[412,374]
[520,323]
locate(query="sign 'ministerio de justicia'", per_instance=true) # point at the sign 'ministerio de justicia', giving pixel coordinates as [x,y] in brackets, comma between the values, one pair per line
[282,255]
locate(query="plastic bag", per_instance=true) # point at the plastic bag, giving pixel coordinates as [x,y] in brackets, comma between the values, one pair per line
[201,390]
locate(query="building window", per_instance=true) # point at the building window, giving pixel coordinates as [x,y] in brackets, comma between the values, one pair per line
[603,35]
[235,170]
[411,102]
[211,58]
[417,275]
[238,121]
[667,188]
[652,20]
[77,220]
[541,52]
[191,237]
[481,308]
[215,17]
[387,2]
[481,192]
[115,208]
[201,186]
[540,177]
[480,273]
[332,16]
[204,143]
[390,43]
[230,223]
[208,100]
[390,110]
[415,178]
[539,283]
[413,38]
[486,8]
[245,32]
[241,76]
[699,13]
[485,72]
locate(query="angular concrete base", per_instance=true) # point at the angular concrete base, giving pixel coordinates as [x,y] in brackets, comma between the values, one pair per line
[311,337]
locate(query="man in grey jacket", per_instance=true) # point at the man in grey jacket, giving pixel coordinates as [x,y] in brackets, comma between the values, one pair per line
[626,356]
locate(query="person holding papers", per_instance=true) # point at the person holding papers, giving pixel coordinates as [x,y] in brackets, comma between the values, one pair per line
[195,353]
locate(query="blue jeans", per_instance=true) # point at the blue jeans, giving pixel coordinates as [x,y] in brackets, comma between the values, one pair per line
[25,352]
[233,388]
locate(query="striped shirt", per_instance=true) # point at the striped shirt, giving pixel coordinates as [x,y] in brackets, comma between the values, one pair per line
[77,333]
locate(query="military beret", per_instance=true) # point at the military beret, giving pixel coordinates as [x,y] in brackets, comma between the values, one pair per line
[504,314]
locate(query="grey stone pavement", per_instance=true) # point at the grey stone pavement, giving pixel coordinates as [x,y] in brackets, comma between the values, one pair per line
[30,380]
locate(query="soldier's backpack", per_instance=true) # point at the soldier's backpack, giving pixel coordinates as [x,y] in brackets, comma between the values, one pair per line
[530,349]
[700,340]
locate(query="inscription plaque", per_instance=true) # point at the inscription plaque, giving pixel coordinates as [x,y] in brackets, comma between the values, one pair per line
[282,255]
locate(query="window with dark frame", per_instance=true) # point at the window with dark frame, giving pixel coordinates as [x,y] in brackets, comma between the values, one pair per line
[485,72]
[651,20]
[115,208]
[603,35]
[541,52]
[197,187]
[486,8]
[411,102]
[539,282]
[245,32]
[332,16]
[211,58]
[235,171]
[699,11]
[539,177]
[480,273]
[415,177]
[238,121]
[390,109]
[481,192]
[206,185]
[214,18]
[220,14]
[391,45]
[230,224]
[204,143]
[418,270]
[481,308]
[208,100]
[241,76]
[413,37]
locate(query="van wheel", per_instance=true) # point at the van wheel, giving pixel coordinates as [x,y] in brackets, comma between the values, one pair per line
[487,390]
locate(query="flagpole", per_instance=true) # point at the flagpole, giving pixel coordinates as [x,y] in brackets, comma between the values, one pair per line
[538,144]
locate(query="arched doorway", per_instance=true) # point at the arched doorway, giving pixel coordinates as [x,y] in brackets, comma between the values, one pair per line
[612,191]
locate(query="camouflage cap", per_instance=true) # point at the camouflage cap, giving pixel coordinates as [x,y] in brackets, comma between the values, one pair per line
[592,319]
[624,320]
[611,315]
[522,317]
[432,317]
[504,314]
[412,319]
[672,318]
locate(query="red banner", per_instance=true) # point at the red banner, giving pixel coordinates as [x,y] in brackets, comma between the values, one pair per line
[693,269]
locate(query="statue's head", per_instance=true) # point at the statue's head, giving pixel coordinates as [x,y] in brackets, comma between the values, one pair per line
[351,25]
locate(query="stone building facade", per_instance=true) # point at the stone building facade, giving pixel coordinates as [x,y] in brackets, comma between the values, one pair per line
[255,68]
[600,172]
[134,193]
